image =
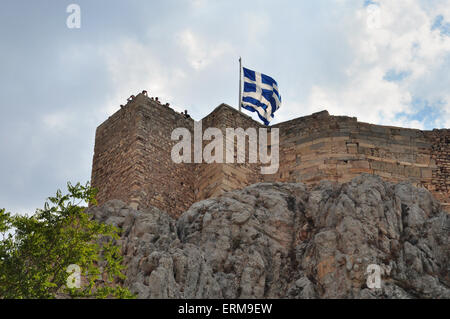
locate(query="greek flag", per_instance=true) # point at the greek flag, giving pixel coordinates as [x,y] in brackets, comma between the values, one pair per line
[260,95]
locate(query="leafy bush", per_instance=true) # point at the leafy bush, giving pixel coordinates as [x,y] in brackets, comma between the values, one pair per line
[36,251]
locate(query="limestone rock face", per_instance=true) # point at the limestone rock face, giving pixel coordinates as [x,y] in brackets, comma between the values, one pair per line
[280,240]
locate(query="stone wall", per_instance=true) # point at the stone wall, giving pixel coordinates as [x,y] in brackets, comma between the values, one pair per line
[338,148]
[116,168]
[132,156]
[440,156]
[214,179]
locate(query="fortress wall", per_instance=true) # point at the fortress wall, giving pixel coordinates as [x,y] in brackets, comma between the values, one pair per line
[214,179]
[132,156]
[440,155]
[114,168]
[162,182]
[338,148]
[396,153]
[316,147]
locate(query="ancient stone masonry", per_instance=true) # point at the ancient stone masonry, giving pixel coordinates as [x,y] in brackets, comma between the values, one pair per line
[338,148]
[440,154]
[214,179]
[132,156]
[132,159]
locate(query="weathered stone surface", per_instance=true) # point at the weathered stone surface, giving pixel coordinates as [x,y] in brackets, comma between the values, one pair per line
[279,240]
[132,158]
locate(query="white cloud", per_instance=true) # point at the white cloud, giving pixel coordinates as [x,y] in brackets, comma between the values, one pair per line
[57,121]
[398,37]
[256,27]
[444,121]
[201,52]
[133,66]
[198,3]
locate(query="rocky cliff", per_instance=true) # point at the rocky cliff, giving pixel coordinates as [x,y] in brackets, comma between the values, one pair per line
[283,240]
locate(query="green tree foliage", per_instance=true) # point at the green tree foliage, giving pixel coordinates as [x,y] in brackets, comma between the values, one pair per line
[36,251]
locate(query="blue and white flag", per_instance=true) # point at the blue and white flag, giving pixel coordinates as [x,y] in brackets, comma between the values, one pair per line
[260,95]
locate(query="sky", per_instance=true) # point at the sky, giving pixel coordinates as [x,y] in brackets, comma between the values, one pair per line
[384,62]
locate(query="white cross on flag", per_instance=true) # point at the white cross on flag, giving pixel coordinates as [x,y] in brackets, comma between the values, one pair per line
[260,95]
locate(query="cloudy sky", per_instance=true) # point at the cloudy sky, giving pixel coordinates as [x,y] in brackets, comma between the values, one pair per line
[385,62]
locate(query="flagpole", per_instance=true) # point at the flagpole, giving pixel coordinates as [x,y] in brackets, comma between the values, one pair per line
[240,83]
